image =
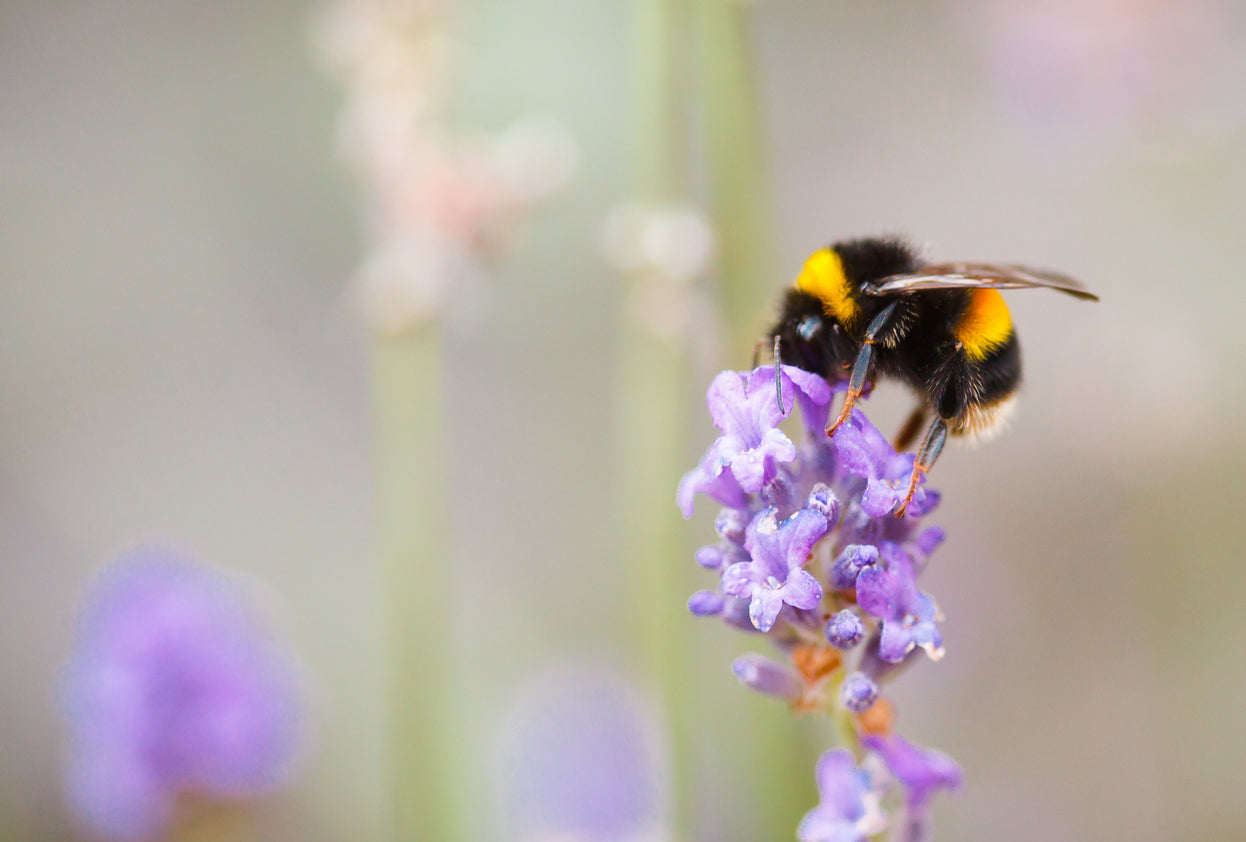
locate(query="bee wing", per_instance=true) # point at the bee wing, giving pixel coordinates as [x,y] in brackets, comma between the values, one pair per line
[980,275]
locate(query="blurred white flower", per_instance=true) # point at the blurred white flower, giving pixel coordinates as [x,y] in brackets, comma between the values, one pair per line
[441,203]
[674,241]
[662,249]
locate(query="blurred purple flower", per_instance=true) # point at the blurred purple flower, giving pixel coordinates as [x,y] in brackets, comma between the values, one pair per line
[579,760]
[1085,73]
[921,773]
[849,811]
[172,688]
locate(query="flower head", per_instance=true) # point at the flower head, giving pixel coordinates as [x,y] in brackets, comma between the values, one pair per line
[812,557]
[172,687]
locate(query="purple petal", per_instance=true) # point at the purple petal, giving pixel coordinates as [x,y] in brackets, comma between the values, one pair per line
[802,590]
[895,642]
[711,558]
[705,603]
[755,467]
[841,786]
[922,772]
[739,579]
[778,548]
[929,539]
[766,676]
[764,608]
[715,483]
[880,497]
[728,402]
[799,533]
[822,825]
[854,559]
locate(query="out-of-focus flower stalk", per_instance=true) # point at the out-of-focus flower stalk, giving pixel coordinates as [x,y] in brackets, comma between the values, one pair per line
[652,394]
[735,153]
[741,211]
[440,204]
[427,795]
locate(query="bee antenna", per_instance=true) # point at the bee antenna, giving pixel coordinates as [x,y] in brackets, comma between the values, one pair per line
[778,379]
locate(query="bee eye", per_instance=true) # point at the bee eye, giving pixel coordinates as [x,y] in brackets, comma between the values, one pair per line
[809,327]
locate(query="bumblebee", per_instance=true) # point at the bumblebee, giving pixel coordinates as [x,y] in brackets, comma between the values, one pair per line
[871,308]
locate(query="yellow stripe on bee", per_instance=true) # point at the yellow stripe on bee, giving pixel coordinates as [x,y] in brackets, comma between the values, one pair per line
[823,277]
[984,326]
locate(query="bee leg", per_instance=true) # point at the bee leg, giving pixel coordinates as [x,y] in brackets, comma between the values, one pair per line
[778,381]
[932,444]
[912,426]
[861,368]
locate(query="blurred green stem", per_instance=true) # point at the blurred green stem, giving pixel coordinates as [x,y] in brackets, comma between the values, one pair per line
[779,761]
[426,791]
[653,388]
[737,170]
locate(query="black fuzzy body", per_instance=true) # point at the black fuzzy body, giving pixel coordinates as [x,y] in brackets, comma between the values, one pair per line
[917,346]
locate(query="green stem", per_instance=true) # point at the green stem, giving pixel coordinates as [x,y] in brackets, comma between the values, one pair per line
[735,156]
[410,446]
[658,143]
[781,756]
[653,395]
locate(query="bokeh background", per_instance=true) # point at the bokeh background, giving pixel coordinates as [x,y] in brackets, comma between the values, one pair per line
[179,362]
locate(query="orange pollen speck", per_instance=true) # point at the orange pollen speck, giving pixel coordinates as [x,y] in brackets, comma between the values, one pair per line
[879,719]
[814,662]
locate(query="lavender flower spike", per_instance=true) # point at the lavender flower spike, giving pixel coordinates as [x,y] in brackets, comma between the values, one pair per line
[775,575]
[172,688]
[849,811]
[812,558]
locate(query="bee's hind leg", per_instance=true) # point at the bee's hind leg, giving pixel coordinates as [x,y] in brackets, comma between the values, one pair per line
[932,445]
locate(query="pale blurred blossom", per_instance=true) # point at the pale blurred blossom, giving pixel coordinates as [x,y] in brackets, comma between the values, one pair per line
[441,203]
[1089,72]
[662,249]
[580,759]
